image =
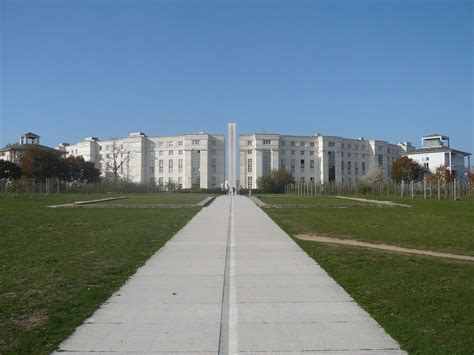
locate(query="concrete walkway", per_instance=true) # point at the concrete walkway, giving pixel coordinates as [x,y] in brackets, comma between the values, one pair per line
[231,281]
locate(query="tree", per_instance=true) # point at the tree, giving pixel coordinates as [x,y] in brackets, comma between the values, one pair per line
[406,169]
[40,163]
[470,176]
[9,170]
[115,159]
[373,176]
[442,173]
[276,181]
[76,169]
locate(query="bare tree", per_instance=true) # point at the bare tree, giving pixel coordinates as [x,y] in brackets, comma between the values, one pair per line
[116,161]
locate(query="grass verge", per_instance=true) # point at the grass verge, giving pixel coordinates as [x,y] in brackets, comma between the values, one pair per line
[58,265]
[426,304]
[438,225]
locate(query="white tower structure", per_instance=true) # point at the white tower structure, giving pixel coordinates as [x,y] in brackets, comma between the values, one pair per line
[231,155]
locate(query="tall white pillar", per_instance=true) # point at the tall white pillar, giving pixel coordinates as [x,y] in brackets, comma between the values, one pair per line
[231,154]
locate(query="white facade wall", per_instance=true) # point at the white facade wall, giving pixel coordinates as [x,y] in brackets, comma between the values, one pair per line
[313,158]
[450,158]
[193,160]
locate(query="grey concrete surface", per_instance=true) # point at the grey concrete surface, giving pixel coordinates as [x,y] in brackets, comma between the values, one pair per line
[231,281]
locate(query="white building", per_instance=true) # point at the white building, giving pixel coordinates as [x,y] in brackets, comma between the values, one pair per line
[189,161]
[14,152]
[315,158]
[435,152]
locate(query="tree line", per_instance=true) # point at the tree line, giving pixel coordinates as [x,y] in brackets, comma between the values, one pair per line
[404,169]
[42,164]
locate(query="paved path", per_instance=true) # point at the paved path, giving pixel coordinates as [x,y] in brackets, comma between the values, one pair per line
[231,281]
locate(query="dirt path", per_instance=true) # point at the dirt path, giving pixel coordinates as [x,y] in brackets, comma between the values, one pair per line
[315,238]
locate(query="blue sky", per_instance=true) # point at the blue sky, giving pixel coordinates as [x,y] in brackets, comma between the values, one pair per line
[391,70]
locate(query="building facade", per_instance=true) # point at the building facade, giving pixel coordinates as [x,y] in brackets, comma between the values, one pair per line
[187,161]
[315,158]
[435,151]
[14,152]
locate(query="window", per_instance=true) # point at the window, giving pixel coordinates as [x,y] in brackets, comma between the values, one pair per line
[363,155]
[356,147]
[292,166]
[349,168]
[302,152]
[195,142]
[311,144]
[160,167]
[180,152]
[302,165]
[213,165]
[292,143]
[170,180]
[160,144]
[426,165]
[152,170]
[180,182]
[332,144]
[342,145]
[249,142]
[292,152]
[342,154]
[180,143]
[311,165]
[249,151]
[249,183]
[356,168]
[213,142]
[342,165]
[283,152]
[283,164]
[160,181]
[302,179]
[160,152]
[302,144]
[283,143]
[213,181]
[180,165]
[170,166]
[311,179]
[363,168]
[348,146]
[249,165]
[311,152]
[380,160]
[349,155]
[170,152]
[267,141]
[170,144]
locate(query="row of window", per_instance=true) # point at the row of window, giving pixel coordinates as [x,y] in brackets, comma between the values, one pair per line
[161,167]
[180,181]
[356,167]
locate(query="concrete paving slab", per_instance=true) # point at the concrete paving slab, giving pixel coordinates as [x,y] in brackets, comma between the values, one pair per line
[281,280]
[332,293]
[167,295]
[163,281]
[144,337]
[312,337]
[300,312]
[157,313]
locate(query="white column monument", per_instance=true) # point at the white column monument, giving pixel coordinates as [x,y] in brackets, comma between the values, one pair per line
[231,155]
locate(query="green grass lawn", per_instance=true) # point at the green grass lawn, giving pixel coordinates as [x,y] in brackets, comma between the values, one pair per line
[439,225]
[58,265]
[305,200]
[161,198]
[426,304]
